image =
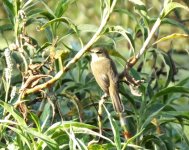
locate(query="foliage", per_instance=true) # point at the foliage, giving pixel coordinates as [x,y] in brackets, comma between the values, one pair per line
[48,96]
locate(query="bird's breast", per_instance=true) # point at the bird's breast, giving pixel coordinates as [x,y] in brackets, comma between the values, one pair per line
[100,66]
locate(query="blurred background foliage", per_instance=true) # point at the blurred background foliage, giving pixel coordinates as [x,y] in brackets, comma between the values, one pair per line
[39,37]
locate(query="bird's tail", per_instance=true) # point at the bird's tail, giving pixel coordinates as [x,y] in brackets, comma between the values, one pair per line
[116,101]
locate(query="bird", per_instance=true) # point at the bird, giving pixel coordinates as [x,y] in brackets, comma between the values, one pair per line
[105,73]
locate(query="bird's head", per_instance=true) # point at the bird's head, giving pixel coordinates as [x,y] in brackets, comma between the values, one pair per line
[98,53]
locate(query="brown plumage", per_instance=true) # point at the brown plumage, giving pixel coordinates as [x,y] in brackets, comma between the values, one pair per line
[105,73]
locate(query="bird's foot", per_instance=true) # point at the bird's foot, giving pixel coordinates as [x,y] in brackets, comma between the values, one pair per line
[105,96]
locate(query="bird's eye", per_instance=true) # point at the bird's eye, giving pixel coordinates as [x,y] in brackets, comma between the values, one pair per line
[99,52]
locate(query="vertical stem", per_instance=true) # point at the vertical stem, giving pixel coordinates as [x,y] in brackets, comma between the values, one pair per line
[7,90]
[100,111]
[144,46]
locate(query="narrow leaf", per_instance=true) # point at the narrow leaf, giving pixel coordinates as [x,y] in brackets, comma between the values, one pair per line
[173,89]
[137,2]
[13,112]
[172,36]
[115,130]
[171,6]
[62,19]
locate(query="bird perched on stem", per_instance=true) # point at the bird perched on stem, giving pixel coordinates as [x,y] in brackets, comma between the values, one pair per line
[106,75]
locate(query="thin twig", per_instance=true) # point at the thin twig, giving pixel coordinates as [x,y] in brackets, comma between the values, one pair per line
[147,41]
[132,61]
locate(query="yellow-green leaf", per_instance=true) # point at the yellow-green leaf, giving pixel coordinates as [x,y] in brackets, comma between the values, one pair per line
[171,6]
[137,2]
[61,53]
[172,36]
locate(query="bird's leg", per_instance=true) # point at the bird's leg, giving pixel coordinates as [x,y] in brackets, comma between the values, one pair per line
[105,96]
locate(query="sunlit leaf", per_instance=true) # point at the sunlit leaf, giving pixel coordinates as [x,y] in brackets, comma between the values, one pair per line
[172,36]
[61,54]
[124,33]
[61,7]
[14,113]
[62,19]
[137,2]
[170,6]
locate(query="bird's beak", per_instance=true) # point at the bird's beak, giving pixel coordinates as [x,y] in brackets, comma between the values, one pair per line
[91,51]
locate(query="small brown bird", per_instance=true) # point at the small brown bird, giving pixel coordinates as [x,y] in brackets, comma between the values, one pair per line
[106,75]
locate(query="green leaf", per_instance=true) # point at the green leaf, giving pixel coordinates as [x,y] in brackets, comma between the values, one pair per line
[169,65]
[35,118]
[2,145]
[48,15]
[77,127]
[141,7]
[179,114]
[48,9]
[116,54]
[175,23]
[125,11]
[74,142]
[115,130]
[61,7]
[47,140]
[99,146]
[61,54]
[13,112]
[45,45]
[27,3]
[173,89]
[62,19]
[157,143]
[172,36]
[67,124]
[18,130]
[6,27]
[23,137]
[10,10]
[155,110]
[183,82]
[87,28]
[170,6]
[124,33]
[34,12]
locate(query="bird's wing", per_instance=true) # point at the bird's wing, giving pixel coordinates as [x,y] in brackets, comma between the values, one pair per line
[113,73]
[100,75]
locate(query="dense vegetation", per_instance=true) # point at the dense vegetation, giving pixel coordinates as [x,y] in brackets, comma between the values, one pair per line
[48,96]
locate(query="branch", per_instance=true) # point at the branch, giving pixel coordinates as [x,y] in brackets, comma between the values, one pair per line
[132,61]
[95,37]
[124,75]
